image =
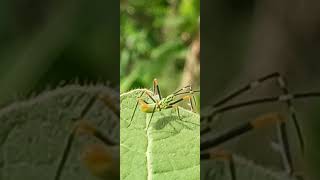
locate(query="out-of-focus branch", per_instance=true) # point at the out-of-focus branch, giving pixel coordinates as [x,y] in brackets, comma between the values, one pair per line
[191,70]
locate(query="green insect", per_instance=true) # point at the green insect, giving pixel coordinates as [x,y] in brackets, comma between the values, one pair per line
[160,103]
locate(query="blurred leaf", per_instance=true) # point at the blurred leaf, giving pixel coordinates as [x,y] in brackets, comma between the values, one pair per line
[34,132]
[245,169]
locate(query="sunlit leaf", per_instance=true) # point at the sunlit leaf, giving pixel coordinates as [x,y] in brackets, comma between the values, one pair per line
[168,149]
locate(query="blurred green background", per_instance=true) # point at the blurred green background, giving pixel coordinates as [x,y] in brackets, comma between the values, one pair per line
[46,42]
[159,39]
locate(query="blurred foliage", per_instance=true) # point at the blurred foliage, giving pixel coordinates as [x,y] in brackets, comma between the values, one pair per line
[154,39]
[45,42]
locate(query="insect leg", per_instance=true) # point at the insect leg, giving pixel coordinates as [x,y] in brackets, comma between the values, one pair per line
[282,85]
[87,107]
[71,137]
[195,102]
[150,97]
[260,122]
[64,156]
[173,104]
[135,108]
[81,127]
[237,93]
[175,107]
[240,91]
[264,100]
[154,108]
[156,89]
[179,100]
[110,103]
[192,100]
[282,132]
[245,88]
[282,135]
[270,99]
[285,152]
[192,103]
[179,90]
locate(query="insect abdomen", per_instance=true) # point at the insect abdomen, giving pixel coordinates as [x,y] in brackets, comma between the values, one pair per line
[146,108]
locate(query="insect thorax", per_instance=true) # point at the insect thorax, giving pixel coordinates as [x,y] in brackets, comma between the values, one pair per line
[165,102]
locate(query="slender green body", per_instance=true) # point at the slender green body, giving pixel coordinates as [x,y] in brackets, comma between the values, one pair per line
[159,103]
[164,103]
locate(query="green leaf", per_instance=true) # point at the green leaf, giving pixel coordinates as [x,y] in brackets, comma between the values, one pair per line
[168,149]
[33,132]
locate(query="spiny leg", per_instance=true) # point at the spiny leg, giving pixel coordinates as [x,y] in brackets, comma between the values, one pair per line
[283,86]
[149,95]
[98,157]
[153,110]
[218,154]
[285,152]
[87,107]
[192,103]
[264,100]
[176,108]
[156,89]
[192,100]
[178,100]
[272,99]
[234,94]
[71,137]
[188,97]
[195,103]
[178,112]
[223,155]
[64,156]
[137,103]
[83,127]
[238,92]
[135,108]
[282,132]
[180,90]
[281,83]
[188,91]
[110,103]
[245,88]
[100,161]
[260,122]
[185,90]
